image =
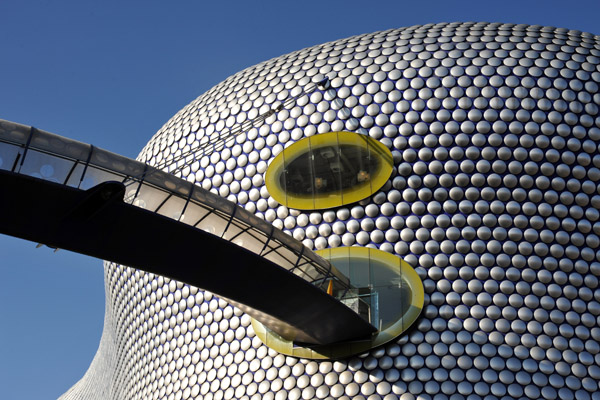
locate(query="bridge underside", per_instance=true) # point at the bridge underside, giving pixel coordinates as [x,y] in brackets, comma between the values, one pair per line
[98,223]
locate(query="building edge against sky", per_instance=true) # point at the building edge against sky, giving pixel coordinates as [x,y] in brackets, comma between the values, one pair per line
[493,198]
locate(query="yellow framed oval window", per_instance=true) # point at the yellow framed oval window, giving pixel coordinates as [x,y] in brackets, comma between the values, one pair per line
[328,170]
[387,292]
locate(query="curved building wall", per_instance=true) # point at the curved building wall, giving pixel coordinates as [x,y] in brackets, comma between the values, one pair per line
[494,130]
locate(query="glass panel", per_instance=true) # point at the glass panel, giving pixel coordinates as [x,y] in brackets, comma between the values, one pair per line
[343,265]
[8,155]
[214,224]
[323,284]
[173,208]
[343,278]
[94,176]
[75,177]
[149,197]
[406,289]
[359,271]
[361,165]
[286,253]
[279,260]
[327,171]
[297,178]
[285,178]
[193,213]
[233,230]
[302,274]
[308,272]
[250,242]
[385,284]
[131,188]
[44,166]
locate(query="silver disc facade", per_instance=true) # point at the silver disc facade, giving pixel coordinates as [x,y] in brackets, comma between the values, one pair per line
[494,131]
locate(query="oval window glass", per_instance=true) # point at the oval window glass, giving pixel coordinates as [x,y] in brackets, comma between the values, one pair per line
[386,291]
[328,170]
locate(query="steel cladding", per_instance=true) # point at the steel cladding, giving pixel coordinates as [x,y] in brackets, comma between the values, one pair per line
[494,129]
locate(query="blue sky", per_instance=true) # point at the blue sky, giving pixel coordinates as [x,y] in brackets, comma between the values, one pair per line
[111,74]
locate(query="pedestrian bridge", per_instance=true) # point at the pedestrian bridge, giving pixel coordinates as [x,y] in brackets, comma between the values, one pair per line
[74,196]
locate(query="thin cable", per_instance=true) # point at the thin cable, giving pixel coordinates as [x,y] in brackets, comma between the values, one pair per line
[219,142]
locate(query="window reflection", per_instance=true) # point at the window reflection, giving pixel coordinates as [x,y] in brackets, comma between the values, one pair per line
[381,293]
[328,169]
